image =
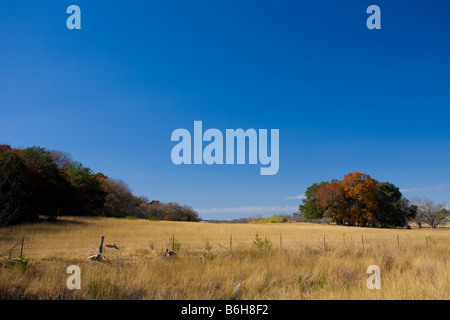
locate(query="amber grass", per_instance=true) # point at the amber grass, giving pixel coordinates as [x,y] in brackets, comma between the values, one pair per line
[206,268]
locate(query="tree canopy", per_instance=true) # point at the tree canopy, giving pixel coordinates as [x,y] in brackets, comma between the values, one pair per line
[309,206]
[358,200]
[37,182]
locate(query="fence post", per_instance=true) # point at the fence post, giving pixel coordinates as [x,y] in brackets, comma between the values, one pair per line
[21,248]
[173,242]
[100,248]
[324,245]
[231,241]
[427,238]
[362,241]
[281,240]
[398,240]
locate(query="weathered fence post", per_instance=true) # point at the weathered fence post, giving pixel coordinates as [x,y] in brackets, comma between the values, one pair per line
[324,245]
[100,248]
[362,241]
[231,241]
[281,240]
[398,240]
[99,254]
[173,242]
[21,248]
[427,239]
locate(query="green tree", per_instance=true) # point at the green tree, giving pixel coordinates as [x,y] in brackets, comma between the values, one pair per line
[393,209]
[53,190]
[90,194]
[44,177]
[360,200]
[35,181]
[309,206]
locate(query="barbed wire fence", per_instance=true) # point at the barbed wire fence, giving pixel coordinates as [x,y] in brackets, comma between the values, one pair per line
[36,246]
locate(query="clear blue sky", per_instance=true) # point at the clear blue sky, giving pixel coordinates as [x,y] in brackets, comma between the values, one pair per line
[344,98]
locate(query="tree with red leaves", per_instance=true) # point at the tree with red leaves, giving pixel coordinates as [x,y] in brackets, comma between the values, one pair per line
[332,199]
[360,189]
[361,200]
[4,148]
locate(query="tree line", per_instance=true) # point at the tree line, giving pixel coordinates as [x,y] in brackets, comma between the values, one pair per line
[363,201]
[37,182]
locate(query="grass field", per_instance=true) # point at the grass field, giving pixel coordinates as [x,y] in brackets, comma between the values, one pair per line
[298,261]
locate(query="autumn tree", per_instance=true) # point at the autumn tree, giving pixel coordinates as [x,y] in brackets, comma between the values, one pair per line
[331,199]
[5,148]
[360,190]
[361,200]
[37,182]
[31,185]
[52,189]
[16,194]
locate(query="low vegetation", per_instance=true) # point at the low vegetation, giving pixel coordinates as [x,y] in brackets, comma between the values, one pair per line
[313,261]
[152,250]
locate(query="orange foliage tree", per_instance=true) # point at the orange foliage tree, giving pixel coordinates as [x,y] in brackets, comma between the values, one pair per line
[360,190]
[352,201]
[332,198]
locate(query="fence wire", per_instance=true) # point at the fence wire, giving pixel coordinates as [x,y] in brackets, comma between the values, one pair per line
[32,246]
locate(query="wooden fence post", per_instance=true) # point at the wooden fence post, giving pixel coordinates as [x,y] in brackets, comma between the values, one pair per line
[100,248]
[231,241]
[21,248]
[99,254]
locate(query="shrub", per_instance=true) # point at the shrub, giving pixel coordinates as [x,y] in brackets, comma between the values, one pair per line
[17,262]
[174,244]
[322,281]
[207,250]
[273,219]
[259,243]
[300,283]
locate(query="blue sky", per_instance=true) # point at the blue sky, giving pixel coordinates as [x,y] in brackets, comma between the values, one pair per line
[345,98]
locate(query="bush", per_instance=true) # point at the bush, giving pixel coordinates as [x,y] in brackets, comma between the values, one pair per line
[273,219]
[207,250]
[259,243]
[174,244]
[16,262]
[322,281]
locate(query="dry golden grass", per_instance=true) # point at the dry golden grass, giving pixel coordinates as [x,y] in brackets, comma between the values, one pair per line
[301,266]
